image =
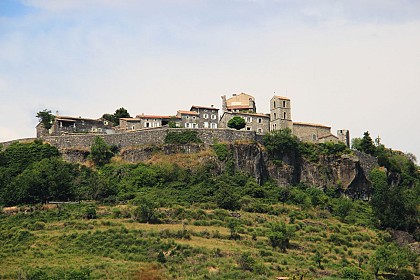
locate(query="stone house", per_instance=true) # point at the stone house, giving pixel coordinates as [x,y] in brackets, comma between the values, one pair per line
[188,119]
[260,123]
[208,117]
[239,103]
[147,121]
[315,133]
[67,125]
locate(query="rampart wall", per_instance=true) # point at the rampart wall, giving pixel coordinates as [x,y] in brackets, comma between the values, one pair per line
[149,136]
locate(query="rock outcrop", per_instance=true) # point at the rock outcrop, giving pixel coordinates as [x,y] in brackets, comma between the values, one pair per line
[347,173]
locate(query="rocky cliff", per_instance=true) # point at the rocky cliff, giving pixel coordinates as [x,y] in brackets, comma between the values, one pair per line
[347,173]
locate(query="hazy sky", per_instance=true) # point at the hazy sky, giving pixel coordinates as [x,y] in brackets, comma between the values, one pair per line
[348,64]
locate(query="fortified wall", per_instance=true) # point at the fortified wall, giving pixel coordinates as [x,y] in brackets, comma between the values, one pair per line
[147,137]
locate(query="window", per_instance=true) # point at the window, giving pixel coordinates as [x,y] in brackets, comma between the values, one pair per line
[284,115]
[105,122]
[274,104]
[259,120]
[314,137]
[248,119]
[194,125]
[248,128]
[206,124]
[205,116]
[259,130]
[187,125]
[213,117]
[132,128]
[187,117]
[284,104]
[214,125]
[193,117]
[275,116]
[147,124]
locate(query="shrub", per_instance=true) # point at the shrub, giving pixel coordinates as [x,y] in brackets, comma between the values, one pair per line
[183,137]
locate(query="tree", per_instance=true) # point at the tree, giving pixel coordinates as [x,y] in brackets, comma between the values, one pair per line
[115,118]
[281,142]
[46,118]
[236,123]
[391,258]
[146,212]
[280,235]
[366,144]
[100,152]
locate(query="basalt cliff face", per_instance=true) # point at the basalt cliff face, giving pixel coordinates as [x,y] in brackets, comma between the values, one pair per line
[348,173]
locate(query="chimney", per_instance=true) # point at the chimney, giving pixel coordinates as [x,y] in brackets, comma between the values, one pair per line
[234,94]
[212,105]
[224,103]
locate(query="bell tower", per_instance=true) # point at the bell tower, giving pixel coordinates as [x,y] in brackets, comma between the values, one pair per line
[280,113]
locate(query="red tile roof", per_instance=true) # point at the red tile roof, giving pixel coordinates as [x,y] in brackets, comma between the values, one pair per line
[282,97]
[153,117]
[187,113]
[203,107]
[311,124]
[239,107]
[249,114]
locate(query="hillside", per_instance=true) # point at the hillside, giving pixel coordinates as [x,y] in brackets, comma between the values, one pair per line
[223,211]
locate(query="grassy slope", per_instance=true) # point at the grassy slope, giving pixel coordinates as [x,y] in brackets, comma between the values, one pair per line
[114,246]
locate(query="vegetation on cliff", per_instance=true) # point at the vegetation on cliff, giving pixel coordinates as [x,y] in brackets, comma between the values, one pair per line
[175,222]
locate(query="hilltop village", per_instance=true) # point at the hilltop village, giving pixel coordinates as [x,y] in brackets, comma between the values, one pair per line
[204,117]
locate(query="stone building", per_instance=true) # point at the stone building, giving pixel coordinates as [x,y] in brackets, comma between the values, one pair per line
[316,133]
[188,119]
[208,117]
[239,103]
[259,123]
[280,113]
[145,121]
[67,125]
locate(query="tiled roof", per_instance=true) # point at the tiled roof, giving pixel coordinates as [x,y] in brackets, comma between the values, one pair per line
[249,114]
[68,118]
[282,97]
[203,107]
[187,113]
[329,135]
[311,124]
[130,119]
[153,117]
[239,107]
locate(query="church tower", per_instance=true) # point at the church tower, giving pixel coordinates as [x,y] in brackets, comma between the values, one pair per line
[280,113]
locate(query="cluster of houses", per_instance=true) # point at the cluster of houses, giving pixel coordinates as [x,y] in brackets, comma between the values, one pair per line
[242,105]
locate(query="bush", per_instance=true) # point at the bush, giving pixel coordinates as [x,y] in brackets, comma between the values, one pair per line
[184,137]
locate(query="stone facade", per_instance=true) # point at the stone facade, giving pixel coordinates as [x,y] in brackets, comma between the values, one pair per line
[259,123]
[280,113]
[147,137]
[67,125]
[239,103]
[208,117]
[314,133]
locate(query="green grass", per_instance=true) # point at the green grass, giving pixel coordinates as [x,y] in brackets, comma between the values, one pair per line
[61,243]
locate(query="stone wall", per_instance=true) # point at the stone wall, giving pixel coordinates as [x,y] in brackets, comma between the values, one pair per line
[149,136]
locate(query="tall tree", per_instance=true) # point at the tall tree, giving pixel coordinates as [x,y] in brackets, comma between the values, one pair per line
[115,118]
[367,145]
[46,118]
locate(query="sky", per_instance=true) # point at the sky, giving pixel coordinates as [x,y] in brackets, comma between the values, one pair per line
[347,64]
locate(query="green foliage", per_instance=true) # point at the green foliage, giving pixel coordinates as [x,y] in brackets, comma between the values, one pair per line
[280,235]
[280,143]
[221,151]
[146,212]
[100,152]
[246,262]
[236,123]
[394,206]
[366,144]
[46,118]
[391,258]
[115,118]
[183,137]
